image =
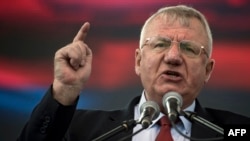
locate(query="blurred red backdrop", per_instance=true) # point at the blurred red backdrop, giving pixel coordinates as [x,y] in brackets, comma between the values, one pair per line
[32,30]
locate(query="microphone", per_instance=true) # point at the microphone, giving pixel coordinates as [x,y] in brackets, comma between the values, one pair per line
[172,101]
[149,111]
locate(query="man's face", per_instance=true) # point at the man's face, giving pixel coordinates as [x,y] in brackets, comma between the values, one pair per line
[162,71]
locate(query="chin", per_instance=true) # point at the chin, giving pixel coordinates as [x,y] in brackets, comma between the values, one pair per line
[167,89]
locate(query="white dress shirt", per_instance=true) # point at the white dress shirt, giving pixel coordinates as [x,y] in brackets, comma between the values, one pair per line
[152,131]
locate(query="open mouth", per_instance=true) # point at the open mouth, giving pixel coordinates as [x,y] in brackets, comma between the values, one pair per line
[170,75]
[173,73]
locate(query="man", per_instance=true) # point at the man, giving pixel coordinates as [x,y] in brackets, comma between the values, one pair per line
[174,55]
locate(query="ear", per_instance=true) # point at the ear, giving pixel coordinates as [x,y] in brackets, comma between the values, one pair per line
[137,61]
[209,69]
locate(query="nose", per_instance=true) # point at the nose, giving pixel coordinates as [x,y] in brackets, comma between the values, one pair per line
[173,55]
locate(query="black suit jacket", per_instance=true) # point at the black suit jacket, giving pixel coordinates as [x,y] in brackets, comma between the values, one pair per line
[51,121]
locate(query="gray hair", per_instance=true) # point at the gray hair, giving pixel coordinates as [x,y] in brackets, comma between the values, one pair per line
[183,14]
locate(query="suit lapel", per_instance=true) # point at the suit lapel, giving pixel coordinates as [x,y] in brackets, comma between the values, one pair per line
[117,118]
[200,131]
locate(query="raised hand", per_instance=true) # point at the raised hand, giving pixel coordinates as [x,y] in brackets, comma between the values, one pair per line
[72,68]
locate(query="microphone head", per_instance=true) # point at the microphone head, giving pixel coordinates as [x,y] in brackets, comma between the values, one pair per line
[172,95]
[172,101]
[150,111]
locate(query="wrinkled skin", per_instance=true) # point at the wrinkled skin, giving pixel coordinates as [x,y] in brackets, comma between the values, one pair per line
[153,67]
[72,68]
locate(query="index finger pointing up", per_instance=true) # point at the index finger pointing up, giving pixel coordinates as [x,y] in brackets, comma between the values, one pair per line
[82,33]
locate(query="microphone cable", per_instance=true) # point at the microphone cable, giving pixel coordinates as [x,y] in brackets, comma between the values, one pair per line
[193,138]
[126,137]
[182,134]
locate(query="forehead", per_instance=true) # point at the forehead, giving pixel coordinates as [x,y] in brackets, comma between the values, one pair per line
[164,24]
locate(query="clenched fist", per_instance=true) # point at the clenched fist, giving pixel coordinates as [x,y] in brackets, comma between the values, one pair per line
[72,68]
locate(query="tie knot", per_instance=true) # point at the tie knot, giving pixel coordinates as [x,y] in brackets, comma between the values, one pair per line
[164,121]
[165,130]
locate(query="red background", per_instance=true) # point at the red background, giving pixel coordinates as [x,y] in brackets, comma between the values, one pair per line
[32,30]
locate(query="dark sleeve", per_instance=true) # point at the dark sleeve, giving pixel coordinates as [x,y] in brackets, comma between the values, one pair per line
[49,121]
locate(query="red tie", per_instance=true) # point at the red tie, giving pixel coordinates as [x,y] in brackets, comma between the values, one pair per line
[164,134]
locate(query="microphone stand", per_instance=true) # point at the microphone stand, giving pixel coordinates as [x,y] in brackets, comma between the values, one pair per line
[195,118]
[125,126]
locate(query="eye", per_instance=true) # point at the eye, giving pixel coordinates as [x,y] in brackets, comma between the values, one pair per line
[162,44]
[189,48]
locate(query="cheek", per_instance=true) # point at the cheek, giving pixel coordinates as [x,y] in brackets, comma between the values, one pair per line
[149,63]
[149,67]
[197,73]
